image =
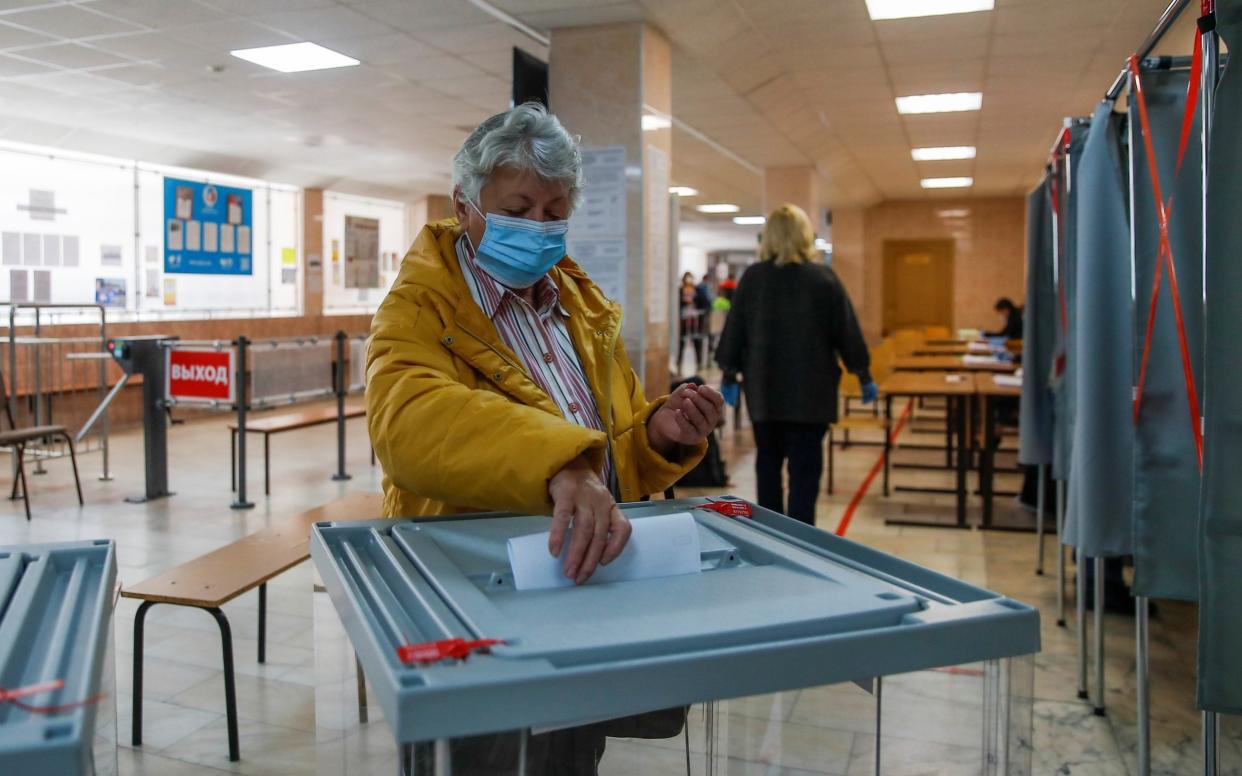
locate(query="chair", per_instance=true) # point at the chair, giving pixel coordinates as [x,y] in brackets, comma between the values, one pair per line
[17,438]
[882,357]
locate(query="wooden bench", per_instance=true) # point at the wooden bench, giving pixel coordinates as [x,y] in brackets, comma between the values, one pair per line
[289,421]
[212,580]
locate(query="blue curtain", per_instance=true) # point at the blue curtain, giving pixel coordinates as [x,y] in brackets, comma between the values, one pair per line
[1039,331]
[1101,468]
[1166,469]
[1063,386]
[1220,517]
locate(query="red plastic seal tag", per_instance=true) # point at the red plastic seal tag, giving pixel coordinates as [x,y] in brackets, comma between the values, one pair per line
[730,508]
[447,649]
[15,695]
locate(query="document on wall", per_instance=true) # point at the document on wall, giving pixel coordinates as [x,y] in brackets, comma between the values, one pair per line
[18,285]
[11,248]
[659,278]
[659,546]
[152,286]
[597,238]
[69,251]
[42,286]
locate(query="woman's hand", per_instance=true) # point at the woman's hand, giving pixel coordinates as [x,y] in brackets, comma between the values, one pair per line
[600,531]
[690,414]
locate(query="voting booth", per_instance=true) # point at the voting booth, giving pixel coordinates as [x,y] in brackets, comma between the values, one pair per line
[57,671]
[782,646]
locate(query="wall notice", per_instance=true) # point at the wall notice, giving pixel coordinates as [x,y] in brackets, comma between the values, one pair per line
[656,179]
[596,237]
[362,257]
[110,292]
[207,229]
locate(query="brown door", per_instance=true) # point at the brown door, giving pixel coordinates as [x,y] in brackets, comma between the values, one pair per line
[918,284]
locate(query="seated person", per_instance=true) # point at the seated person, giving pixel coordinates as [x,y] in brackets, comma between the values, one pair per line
[1011,317]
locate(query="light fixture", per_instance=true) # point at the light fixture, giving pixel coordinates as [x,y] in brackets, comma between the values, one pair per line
[940,103]
[651,121]
[946,183]
[823,245]
[749,220]
[683,191]
[717,207]
[942,152]
[904,9]
[954,213]
[295,57]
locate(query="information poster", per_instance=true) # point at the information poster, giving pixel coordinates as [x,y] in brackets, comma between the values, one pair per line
[596,237]
[658,276]
[110,292]
[362,256]
[207,229]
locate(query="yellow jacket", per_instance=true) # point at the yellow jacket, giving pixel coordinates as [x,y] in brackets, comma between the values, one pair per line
[457,422]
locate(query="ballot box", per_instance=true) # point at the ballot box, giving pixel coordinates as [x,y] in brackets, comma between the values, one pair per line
[785,649]
[57,669]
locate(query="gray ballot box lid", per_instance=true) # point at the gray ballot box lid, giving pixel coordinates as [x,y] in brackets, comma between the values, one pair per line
[55,617]
[778,605]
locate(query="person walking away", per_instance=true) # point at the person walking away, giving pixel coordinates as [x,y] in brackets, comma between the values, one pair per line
[790,324]
[689,321]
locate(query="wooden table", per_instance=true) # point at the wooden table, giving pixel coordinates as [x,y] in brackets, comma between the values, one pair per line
[957,390]
[988,389]
[950,364]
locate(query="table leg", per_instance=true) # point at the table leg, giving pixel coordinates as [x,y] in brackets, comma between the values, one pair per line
[987,465]
[962,458]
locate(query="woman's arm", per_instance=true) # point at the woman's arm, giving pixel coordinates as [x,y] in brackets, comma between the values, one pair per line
[443,440]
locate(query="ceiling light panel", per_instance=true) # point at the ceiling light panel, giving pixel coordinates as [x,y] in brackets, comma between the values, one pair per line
[717,207]
[295,57]
[940,103]
[905,9]
[749,220]
[946,183]
[683,191]
[941,153]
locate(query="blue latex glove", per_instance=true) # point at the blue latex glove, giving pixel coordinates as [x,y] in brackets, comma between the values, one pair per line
[732,393]
[870,392]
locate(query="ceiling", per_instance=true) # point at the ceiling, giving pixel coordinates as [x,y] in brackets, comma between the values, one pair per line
[755,83]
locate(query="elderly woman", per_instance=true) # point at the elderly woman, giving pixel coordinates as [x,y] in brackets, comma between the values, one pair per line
[496,379]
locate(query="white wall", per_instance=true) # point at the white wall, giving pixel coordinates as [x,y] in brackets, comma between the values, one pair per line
[108,223]
[698,238]
[394,239]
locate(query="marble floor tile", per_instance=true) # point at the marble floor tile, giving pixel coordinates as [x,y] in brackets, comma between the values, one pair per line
[163,724]
[278,703]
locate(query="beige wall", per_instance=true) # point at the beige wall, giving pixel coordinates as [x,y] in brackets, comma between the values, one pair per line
[989,261]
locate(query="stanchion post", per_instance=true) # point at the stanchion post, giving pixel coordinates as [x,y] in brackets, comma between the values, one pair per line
[1211,743]
[341,387]
[241,399]
[1141,613]
[1080,619]
[1039,522]
[1098,613]
[1060,496]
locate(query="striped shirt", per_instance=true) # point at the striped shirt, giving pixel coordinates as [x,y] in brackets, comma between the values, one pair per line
[539,337]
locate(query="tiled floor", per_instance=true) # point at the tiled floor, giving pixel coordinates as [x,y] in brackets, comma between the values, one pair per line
[184,730]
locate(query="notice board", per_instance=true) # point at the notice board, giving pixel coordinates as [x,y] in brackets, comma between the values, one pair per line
[207,229]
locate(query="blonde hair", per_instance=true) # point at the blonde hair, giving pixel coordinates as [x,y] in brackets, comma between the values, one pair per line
[788,236]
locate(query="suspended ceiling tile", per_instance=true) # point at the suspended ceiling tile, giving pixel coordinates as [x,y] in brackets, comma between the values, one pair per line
[948,27]
[11,36]
[934,51]
[71,56]
[224,36]
[11,66]
[324,24]
[71,21]
[609,13]
[421,16]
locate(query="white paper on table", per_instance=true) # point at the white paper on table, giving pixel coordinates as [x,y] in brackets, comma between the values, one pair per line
[1008,381]
[659,546]
[980,346]
[980,360]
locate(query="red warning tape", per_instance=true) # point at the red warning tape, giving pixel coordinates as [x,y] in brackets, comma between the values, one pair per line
[14,695]
[1165,255]
[848,515]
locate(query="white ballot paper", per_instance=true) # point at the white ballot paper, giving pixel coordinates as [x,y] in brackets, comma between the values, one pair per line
[982,347]
[1008,381]
[980,360]
[659,546]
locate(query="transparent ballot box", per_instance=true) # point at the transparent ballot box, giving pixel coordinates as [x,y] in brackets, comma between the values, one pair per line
[787,651]
[57,668]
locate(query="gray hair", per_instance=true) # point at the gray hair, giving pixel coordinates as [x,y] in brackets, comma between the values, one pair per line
[526,138]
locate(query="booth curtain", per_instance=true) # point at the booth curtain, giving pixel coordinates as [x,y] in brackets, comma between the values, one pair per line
[1066,236]
[1220,531]
[1097,522]
[1166,468]
[1038,331]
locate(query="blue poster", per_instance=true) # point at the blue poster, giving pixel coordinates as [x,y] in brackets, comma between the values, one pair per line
[207,229]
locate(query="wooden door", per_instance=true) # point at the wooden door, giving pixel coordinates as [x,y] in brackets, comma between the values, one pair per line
[918,284]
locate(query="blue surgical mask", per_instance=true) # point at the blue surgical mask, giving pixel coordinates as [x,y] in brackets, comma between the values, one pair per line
[519,251]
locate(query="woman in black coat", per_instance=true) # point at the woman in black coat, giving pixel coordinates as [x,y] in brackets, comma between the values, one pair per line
[790,324]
